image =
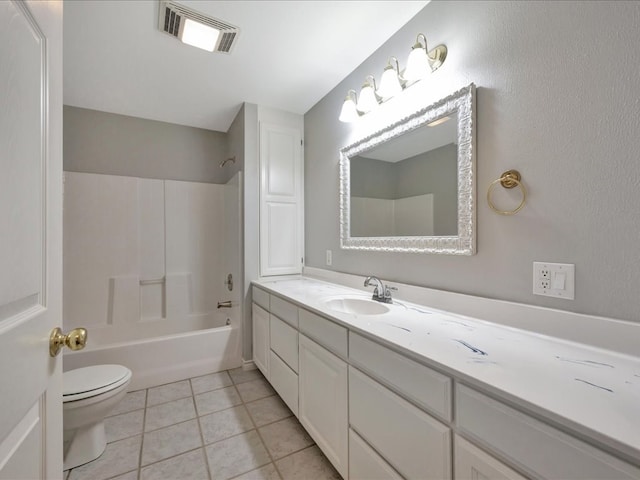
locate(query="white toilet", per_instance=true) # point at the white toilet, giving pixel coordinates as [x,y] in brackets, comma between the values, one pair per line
[89,394]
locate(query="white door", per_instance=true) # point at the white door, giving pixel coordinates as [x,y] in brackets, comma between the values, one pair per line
[280,200]
[30,238]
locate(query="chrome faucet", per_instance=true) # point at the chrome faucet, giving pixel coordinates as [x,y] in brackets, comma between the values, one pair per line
[381,293]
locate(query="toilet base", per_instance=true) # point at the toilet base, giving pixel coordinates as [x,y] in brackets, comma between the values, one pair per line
[87,444]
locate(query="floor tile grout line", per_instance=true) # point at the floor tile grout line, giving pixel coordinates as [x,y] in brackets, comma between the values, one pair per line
[202,445]
[264,444]
[144,421]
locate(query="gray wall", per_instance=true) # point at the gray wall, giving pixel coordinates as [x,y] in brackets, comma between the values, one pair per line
[101,142]
[557,99]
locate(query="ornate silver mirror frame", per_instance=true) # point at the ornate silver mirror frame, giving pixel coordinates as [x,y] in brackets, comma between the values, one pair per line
[461,103]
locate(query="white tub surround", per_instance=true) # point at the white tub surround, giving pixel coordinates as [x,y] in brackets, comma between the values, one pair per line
[571,389]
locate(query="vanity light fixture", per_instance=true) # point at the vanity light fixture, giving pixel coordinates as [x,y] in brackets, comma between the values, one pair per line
[422,62]
[349,112]
[368,100]
[390,83]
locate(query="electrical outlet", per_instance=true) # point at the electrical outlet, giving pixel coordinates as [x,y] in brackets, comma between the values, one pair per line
[554,280]
[328,257]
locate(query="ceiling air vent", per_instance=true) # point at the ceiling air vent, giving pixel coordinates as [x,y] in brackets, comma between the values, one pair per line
[173,18]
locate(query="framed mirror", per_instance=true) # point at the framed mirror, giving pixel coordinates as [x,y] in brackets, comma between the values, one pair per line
[410,187]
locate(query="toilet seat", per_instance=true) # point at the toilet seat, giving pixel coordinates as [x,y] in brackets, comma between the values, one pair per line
[89,382]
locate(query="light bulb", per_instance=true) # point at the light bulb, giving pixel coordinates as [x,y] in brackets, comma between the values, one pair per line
[367,100]
[417,64]
[389,83]
[349,113]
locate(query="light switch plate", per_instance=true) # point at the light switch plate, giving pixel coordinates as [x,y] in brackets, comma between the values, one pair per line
[549,278]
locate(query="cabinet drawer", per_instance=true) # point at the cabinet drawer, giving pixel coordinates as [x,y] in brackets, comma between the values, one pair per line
[284,310]
[260,297]
[427,388]
[471,463]
[285,382]
[541,449]
[414,443]
[365,463]
[284,342]
[328,334]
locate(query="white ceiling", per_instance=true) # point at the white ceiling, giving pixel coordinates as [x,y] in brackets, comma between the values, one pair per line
[289,54]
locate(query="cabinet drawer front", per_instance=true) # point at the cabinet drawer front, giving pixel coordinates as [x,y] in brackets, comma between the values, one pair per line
[285,382]
[284,341]
[539,448]
[365,463]
[471,463]
[414,443]
[427,388]
[328,334]
[260,338]
[260,297]
[284,310]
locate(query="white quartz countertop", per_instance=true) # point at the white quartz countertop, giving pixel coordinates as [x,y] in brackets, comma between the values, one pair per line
[593,392]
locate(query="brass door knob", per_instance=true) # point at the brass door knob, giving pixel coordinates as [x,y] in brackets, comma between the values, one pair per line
[76,339]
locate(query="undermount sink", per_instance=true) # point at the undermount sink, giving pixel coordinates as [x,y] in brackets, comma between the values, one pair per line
[356,305]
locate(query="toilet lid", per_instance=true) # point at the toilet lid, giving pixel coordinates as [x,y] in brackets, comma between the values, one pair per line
[88,380]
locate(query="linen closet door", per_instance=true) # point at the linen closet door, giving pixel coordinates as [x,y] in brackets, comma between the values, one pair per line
[280,200]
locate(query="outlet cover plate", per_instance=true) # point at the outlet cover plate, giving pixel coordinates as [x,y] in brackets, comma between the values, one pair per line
[554,280]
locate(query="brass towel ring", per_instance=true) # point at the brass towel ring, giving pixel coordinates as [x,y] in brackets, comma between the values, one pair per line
[509,179]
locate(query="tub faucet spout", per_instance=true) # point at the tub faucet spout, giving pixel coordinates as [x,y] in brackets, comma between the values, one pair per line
[226,304]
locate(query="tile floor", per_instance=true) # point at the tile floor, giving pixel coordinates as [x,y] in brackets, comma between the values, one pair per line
[220,426]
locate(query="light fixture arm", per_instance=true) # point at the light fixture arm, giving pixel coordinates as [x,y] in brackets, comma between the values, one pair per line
[436,55]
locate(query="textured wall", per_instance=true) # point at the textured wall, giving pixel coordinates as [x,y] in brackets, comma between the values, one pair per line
[557,99]
[101,142]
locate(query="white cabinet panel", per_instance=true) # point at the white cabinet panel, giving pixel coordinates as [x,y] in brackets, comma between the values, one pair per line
[540,448]
[414,443]
[284,310]
[471,463]
[365,463]
[327,333]
[284,342]
[323,379]
[261,351]
[280,200]
[285,382]
[260,297]
[420,384]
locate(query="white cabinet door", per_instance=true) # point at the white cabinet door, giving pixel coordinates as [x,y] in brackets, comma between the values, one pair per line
[471,463]
[30,239]
[261,348]
[323,379]
[280,200]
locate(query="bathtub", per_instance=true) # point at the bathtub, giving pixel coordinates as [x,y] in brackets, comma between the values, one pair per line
[160,352]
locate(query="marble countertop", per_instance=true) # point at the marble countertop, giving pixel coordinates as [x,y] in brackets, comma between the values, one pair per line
[591,391]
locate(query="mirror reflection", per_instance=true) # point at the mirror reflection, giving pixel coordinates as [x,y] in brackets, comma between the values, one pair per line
[407,186]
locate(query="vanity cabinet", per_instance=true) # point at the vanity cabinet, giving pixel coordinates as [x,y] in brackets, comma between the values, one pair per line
[378,414]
